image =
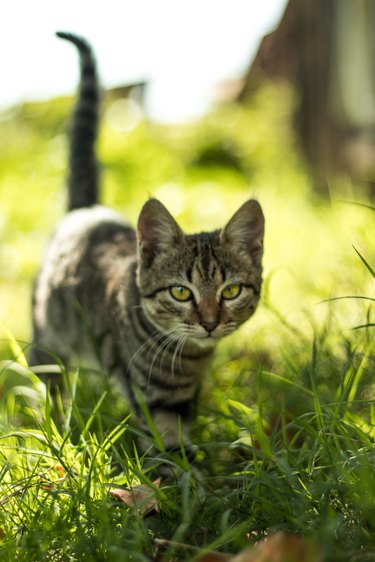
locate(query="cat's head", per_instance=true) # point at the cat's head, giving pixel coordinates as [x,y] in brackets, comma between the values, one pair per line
[204,285]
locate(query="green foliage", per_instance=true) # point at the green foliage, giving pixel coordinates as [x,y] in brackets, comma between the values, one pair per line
[285,427]
[264,466]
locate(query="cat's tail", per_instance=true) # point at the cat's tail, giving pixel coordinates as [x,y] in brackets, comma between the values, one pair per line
[83,177]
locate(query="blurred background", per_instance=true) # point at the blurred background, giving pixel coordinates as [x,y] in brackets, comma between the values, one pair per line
[179,50]
[207,104]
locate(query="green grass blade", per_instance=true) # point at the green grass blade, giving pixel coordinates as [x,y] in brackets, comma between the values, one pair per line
[14,345]
[150,422]
[368,266]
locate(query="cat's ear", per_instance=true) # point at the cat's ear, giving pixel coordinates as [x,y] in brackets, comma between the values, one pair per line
[157,231]
[245,230]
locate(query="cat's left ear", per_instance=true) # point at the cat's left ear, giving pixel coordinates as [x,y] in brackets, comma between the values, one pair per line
[245,230]
[157,231]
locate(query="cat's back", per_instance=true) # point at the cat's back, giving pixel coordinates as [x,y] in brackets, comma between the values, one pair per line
[91,250]
[81,225]
[87,238]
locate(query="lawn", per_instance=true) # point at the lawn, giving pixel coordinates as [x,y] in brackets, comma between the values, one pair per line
[285,424]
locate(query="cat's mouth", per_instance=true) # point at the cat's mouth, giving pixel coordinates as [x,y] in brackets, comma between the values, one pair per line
[204,342]
[204,336]
[199,334]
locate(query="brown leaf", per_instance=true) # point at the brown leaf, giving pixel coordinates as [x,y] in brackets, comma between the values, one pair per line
[282,547]
[142,498]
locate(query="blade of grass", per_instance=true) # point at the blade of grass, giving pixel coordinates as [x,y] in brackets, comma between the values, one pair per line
[150,422]
[314,386]
[261,433]
[368,266]
[15,347]
[347,297]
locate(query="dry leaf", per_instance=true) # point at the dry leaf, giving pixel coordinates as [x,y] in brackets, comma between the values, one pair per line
[142,498]
[282,547]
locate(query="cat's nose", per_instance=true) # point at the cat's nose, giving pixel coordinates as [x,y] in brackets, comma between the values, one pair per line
[209,325]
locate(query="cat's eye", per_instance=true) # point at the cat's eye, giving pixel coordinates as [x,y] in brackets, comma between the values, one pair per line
[180,293]
[231,291]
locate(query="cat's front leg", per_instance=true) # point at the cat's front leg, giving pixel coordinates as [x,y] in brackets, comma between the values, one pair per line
[173,428]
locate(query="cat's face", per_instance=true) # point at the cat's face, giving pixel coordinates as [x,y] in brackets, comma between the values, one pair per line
[201,286]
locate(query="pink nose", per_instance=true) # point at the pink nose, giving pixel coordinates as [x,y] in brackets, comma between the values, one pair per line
[209,325]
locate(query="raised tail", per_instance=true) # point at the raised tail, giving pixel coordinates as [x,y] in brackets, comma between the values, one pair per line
[83,179]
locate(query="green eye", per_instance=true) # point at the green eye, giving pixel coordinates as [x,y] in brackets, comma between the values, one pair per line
[180,293]
[231,291]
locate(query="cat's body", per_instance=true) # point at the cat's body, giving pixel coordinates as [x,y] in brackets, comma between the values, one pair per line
[148,304]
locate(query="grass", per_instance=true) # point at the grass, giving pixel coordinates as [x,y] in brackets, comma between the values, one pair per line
[263,468]
[286,421]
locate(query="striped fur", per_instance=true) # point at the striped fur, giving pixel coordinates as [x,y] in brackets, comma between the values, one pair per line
[83,165]
[107,292]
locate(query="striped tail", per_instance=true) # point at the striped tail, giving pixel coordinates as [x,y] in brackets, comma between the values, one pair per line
[83,177]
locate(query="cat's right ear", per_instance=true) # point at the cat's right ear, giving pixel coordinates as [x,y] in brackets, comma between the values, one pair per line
[245,230]
[157,231]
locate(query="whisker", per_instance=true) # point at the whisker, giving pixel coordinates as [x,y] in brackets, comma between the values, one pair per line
[171,340]
[164,344]
[178,353]
[152,340]
[178,345]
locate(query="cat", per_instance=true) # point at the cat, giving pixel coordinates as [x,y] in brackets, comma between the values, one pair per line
[149,303]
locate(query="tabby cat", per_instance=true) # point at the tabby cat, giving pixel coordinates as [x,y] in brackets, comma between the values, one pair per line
[150,304]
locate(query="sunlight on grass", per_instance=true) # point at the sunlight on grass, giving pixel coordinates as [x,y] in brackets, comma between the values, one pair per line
[308,247]
[285,425]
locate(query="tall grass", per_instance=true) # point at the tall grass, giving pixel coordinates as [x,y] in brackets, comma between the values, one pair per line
[285,424]
[284,456]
